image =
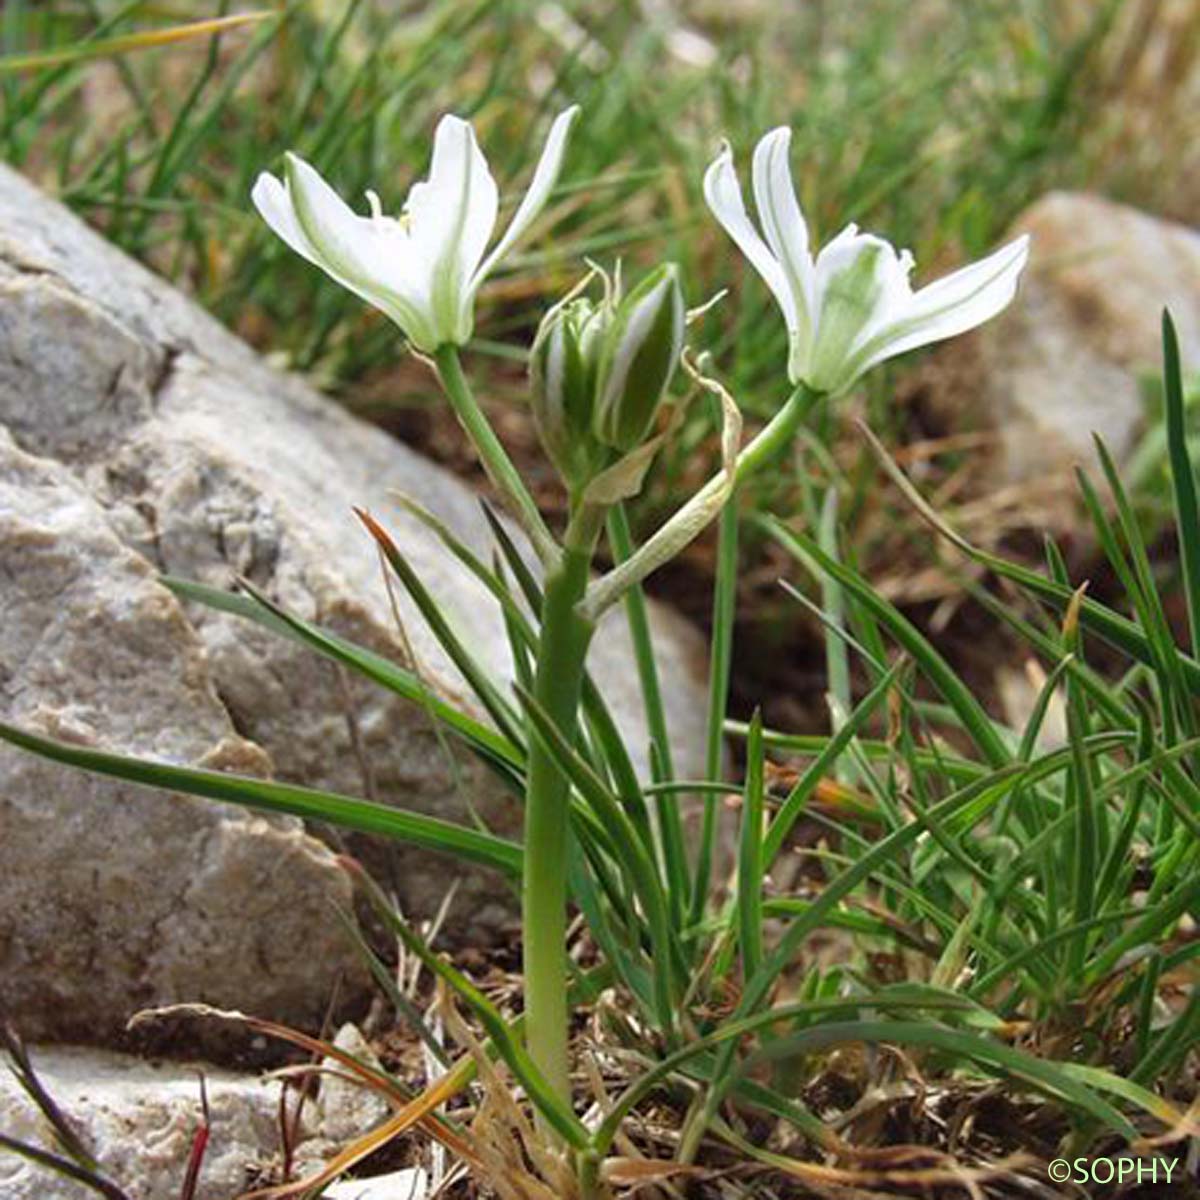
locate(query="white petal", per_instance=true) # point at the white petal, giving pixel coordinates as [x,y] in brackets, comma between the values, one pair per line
[274,205]
[373,258]
[954,304]
[894,295]
[780,216]
[344,243]
[974,285]
[453,214]
[853,275]
[545,176]
[724,196]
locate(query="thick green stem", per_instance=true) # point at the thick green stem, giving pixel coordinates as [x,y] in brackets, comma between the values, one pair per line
[492,454]
[562,650]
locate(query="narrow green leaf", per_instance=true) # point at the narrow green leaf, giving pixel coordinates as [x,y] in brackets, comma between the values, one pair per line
[669,825]
[1048,1076]
[1183,481]
[1084,854]
[750,854]
[493,747]
[543,1096]
[831,749]
[488,694]
[833,604]
[1117,630]
[269,796]
[719,665]
[929,661]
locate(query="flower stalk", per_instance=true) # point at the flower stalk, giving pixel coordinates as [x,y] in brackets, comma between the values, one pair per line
[562,651]
[499,467]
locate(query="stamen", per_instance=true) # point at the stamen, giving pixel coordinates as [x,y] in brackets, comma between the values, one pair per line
[376,206]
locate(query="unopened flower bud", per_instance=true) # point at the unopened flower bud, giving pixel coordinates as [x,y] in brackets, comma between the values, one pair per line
[640,350]
[562,369]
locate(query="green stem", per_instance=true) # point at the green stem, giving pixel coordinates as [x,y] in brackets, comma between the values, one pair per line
[562,651]
[496,463]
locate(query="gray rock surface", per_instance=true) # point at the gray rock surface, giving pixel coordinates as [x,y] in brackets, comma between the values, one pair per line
[1064,360]
[112,897]
[410,1183]
[146,438]
[343,1106]
[139,1120]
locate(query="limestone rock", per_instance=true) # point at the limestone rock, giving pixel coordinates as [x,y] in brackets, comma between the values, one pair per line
[1064,360]
[411,1183]
[344,1107]
[138,1120]
[146,438]
[111,897]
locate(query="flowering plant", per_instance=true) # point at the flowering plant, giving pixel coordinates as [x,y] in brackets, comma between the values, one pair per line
[599,373]
[851,306]
[603,372]
[424,267]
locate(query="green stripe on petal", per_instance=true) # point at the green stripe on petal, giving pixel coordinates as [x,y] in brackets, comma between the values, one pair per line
[849,288]
[361,253]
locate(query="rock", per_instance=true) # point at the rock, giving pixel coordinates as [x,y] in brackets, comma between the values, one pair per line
[148,438]
[111,897]
[344,1107]
[139,1120]
[1064,360]
[412,1183]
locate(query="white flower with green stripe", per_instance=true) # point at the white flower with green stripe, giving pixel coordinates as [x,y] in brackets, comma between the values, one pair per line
[851,306]
[424,267]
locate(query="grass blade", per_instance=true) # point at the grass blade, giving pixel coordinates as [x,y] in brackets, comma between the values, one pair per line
[150,39]
[1183,481]
[492,747]
[750,854]
[268,796]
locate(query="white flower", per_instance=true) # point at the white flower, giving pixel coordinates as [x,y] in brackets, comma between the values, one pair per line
[424,267]
[851,307]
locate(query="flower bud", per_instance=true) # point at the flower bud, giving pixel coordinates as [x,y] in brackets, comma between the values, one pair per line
[641,347]
[562,371]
